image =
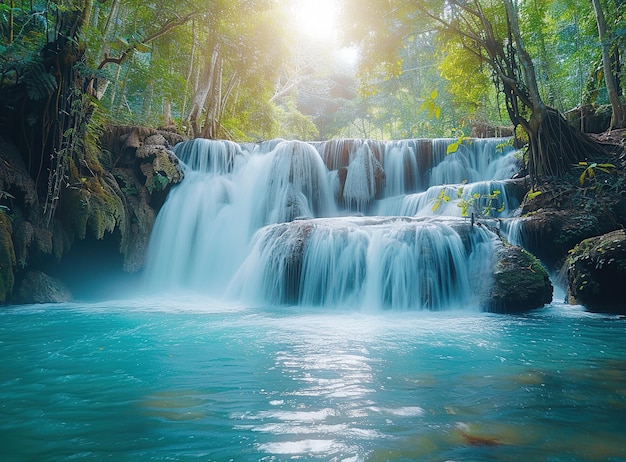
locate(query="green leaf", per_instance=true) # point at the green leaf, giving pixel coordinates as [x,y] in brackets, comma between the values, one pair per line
[453,147]
[533,194]
[142,48]
[582,177]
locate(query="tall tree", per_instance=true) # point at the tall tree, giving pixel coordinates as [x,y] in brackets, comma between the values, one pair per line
[618,116]
[491,32]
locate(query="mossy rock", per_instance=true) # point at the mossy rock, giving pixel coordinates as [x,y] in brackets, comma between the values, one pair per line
[161,168]
[596,271]
[7,258]
[550,234]
[521,283]
[38,287]
[140,219]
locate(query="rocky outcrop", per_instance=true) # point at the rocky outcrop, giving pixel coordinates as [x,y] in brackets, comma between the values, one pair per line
[38,287]
[596,272]
[114,197]
[521,283]
[549,233]
[145,169]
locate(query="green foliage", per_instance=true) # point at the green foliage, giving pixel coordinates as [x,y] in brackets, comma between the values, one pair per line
[485,205]
[430,105]
[468,80]
[442,198]
[454,146]
[590,169]
[159,182]
[39,83]
[505,144]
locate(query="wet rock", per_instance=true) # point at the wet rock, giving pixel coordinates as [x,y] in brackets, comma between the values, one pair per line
[7,258]
[596,273]
[38,287]
[521,283]
[549,234]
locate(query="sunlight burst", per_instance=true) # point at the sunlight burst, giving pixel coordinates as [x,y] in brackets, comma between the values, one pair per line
[316,18]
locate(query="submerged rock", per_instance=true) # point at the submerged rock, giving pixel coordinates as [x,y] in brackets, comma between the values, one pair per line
[38,287]
[521,283]
[596,271]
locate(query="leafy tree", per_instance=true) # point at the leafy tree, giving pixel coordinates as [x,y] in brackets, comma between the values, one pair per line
[491,32]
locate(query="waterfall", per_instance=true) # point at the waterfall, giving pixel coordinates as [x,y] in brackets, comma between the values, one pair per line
[380,262]
[486,198]
[339,223]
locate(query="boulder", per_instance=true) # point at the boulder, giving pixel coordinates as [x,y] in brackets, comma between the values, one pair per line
[38,287]
[549,234]
[520,282]
[596,271]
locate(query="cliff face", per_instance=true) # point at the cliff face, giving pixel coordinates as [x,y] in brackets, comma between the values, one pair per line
[112,206]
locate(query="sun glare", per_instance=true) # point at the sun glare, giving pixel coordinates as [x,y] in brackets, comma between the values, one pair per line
[316,18]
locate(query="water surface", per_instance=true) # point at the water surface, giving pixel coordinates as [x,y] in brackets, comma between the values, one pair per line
[194,379]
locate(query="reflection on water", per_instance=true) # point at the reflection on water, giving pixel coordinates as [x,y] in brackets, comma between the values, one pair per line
[198,380]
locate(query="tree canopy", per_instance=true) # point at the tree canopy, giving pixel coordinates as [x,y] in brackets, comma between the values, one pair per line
[246,69]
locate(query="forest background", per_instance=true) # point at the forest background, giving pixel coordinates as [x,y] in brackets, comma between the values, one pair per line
[249,70]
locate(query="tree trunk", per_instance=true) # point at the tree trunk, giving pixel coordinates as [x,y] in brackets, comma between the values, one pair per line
[201,94]
[209,130]
[11,7]
[554,145]
[618,116]
[168,121]
[190,71]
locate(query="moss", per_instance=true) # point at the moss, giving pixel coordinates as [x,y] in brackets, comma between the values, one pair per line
[596,270]
[74,212]
[106,208]
[521,283]
[162,171]
[7,258]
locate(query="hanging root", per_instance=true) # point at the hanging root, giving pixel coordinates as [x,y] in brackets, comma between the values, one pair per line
[561,145]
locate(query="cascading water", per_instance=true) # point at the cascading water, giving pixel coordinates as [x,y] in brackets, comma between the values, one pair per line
[272,223]
[183,377]
[361,261]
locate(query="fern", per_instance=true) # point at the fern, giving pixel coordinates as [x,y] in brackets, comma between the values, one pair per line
[39,83]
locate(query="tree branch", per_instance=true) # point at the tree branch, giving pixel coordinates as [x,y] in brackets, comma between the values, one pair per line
[164,30]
